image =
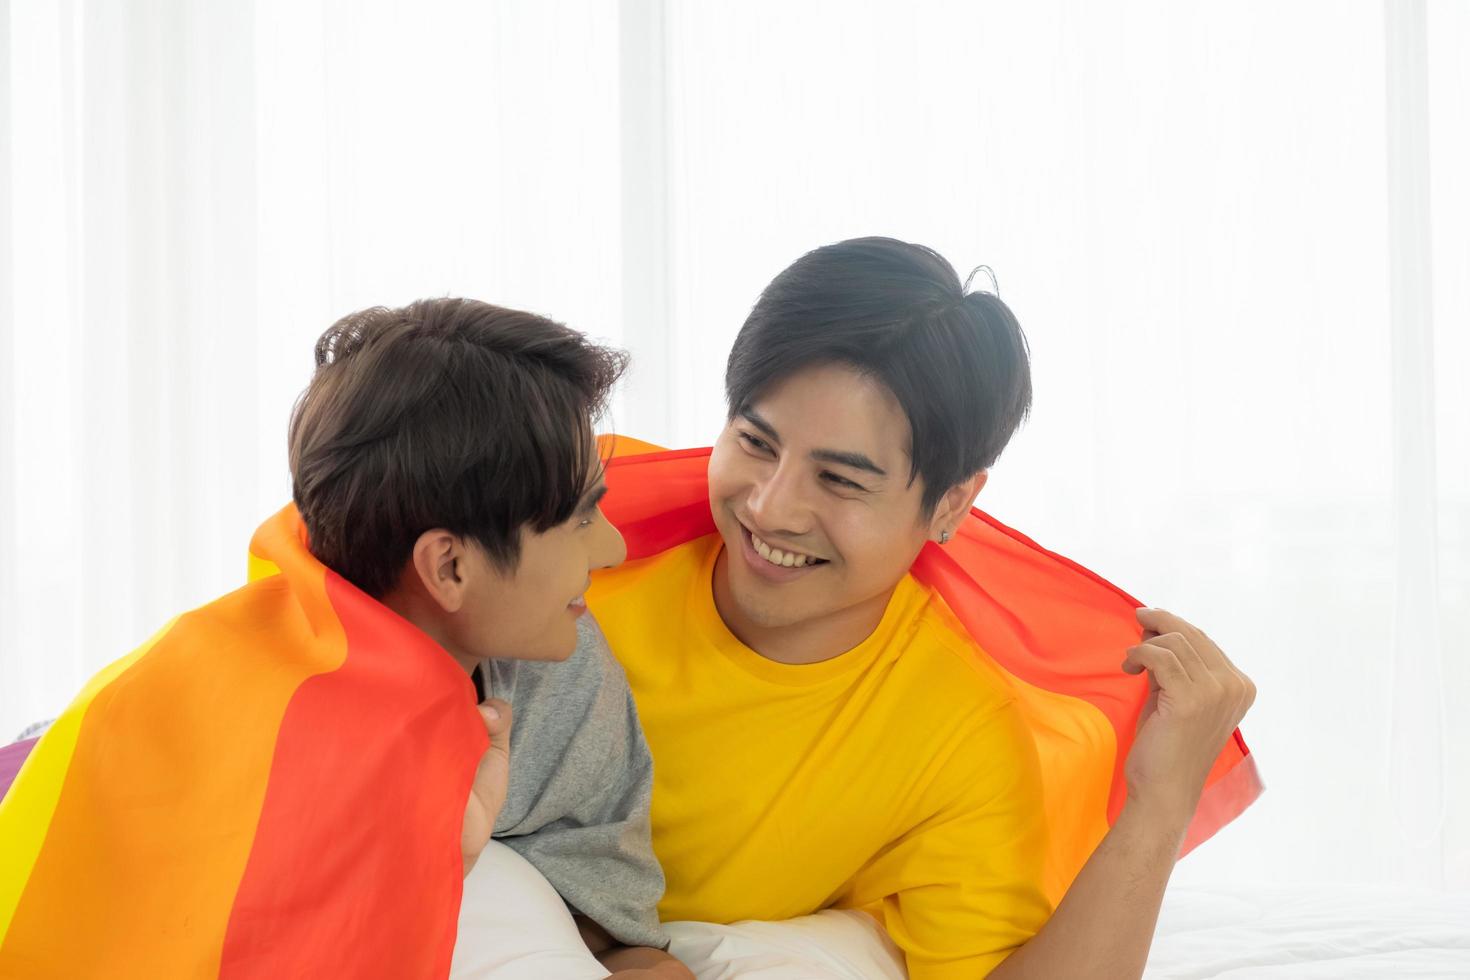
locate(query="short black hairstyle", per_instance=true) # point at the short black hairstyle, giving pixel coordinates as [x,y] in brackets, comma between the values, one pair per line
[957,361]
[444,413]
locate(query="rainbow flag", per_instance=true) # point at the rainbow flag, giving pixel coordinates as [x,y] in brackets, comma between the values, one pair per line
[272,786]
[1058,631]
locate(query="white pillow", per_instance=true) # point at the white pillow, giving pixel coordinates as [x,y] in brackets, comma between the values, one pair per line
[514,926]
[829,945]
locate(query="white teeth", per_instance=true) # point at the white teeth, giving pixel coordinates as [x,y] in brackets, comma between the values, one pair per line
[786,559]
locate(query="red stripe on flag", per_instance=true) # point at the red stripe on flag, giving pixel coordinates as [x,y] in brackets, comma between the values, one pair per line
[356,867]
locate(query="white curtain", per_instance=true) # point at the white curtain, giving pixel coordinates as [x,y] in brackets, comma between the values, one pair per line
[1232,232]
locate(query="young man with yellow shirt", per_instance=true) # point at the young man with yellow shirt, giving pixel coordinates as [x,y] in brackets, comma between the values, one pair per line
[824,733]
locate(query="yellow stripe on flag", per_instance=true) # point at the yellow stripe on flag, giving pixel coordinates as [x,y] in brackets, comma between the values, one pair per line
[24,819]
[260,568]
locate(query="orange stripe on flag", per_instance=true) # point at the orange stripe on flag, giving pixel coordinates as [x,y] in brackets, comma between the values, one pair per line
[25,816]
[151,832]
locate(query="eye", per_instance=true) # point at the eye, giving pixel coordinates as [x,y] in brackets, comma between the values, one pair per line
[841,481]
[755,443]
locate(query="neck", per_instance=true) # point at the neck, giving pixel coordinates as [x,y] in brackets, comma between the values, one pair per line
[810,641]
[426,615]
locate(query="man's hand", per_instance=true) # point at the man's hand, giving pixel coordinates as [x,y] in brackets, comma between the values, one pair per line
[1196,699]
[649,964]
[629,962]
[492,778]
[1105,922]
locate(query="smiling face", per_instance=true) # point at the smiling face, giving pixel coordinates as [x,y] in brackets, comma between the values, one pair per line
[475,608]
[530,613]
[810,490]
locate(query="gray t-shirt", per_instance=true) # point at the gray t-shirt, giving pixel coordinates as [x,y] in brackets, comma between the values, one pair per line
[581,779]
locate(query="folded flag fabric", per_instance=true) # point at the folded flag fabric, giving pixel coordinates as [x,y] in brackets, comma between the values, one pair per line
[1057,630]
[272,786]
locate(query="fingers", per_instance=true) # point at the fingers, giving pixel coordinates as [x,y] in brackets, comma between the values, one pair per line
[1198,658]
[496,714]
[1184,651]
[1162,622]
[1159,661]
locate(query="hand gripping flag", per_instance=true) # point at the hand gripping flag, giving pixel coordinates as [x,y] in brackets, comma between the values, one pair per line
[272,786]
[1057,630]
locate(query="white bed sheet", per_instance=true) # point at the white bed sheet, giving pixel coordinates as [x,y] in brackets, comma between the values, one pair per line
[513,926]
[1312,932]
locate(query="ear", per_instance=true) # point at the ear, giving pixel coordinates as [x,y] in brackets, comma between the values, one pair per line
[955,504]
[438,563]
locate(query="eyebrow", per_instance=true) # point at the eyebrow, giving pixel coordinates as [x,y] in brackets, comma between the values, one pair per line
[857,461]
[592,499]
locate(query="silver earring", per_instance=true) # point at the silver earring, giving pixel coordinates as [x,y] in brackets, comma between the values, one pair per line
[944,536]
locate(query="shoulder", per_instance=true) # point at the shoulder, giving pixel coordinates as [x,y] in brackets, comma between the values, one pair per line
[959,708]
[947,668]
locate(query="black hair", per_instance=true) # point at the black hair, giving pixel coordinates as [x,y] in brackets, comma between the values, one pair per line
[957,361]
[445,413]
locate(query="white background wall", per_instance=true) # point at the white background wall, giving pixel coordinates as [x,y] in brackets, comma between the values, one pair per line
[1194,209]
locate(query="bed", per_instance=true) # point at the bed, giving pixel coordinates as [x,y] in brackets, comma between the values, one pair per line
[1310,932]
[513,927]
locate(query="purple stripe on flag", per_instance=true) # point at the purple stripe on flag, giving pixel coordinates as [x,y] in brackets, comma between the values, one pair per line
[12,756]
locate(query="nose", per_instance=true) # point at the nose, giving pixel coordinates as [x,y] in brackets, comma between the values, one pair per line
[776,503]
[611,548]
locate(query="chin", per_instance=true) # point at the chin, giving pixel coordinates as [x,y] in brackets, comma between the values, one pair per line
[558,653]
[553,649]
[769,615]
[544,656]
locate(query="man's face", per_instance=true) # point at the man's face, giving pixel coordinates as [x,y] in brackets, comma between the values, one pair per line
[531,613]
[816,468]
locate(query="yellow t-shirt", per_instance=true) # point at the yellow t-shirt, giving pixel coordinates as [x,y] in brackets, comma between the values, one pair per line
[896,778]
